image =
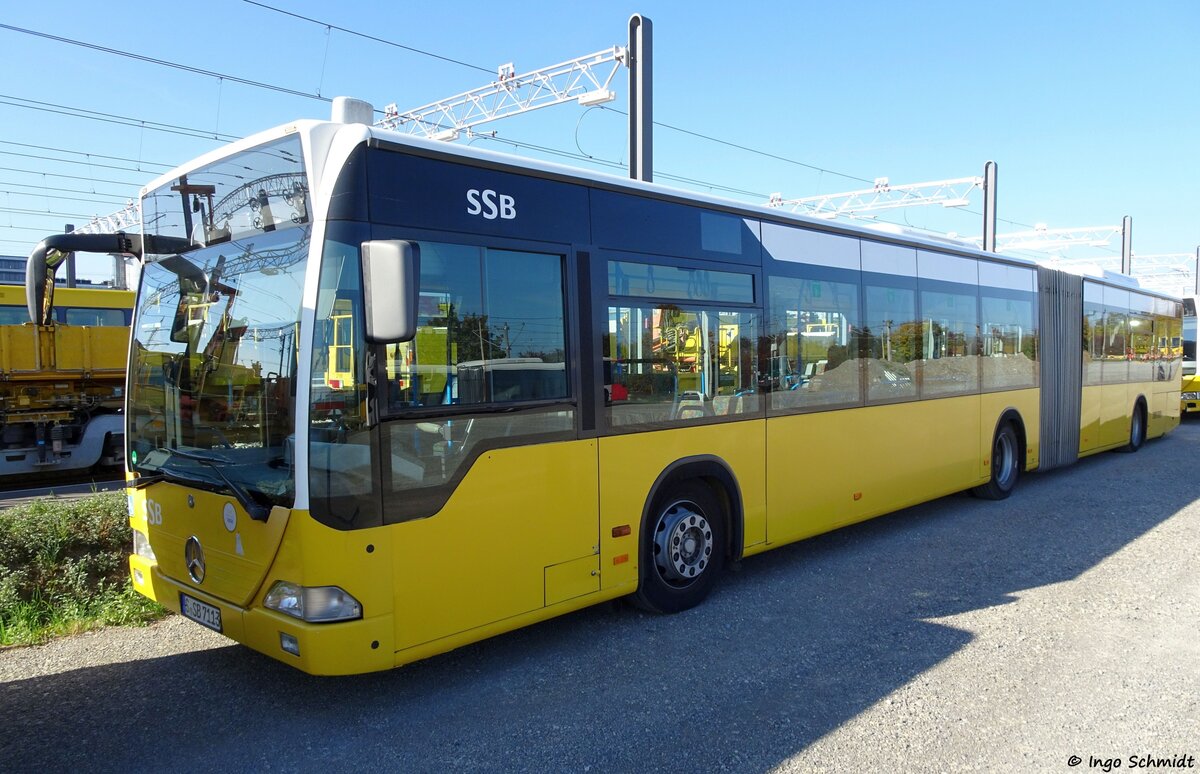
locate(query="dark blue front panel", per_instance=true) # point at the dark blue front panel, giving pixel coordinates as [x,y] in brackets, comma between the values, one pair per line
[425,193]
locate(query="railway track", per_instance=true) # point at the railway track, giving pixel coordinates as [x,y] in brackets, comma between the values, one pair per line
[66,489]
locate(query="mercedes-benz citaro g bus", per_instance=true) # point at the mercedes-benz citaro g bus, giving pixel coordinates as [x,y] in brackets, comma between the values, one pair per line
[389,396]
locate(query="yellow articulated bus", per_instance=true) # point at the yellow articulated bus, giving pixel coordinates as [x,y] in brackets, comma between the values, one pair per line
[62,381]
[466,392]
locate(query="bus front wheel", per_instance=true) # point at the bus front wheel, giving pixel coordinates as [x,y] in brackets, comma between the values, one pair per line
[682,549]
[1006,465]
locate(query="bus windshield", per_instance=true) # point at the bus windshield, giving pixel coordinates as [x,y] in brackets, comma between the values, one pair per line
[213,358]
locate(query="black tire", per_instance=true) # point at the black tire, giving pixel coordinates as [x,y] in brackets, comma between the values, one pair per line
[1137,429]
[682,549]
[1006,465]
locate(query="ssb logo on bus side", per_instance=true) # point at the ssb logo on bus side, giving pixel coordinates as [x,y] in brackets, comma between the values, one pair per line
[491,205]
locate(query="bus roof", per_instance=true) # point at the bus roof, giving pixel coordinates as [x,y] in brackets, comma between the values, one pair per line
[320,136]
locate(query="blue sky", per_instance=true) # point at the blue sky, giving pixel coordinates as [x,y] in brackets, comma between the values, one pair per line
[1089,109]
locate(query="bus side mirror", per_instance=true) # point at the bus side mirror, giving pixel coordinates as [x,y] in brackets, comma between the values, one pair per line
[391,269]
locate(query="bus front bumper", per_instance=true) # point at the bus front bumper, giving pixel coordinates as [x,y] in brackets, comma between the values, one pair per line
[339,648]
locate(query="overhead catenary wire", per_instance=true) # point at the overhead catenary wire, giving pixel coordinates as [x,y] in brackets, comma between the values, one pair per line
[112,118]
[85,153]
[205,134]
[187,131]
[599,161]
[82,162]
[346,30]
[62,198]
[69,177]
[57,189]
[167,63]
[365,36]
[42,231]
[492,71]
[20,211]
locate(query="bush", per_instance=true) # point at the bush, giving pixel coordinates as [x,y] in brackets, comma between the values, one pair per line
[63,569]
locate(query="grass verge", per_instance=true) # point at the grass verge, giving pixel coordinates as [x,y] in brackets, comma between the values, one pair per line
[63,569]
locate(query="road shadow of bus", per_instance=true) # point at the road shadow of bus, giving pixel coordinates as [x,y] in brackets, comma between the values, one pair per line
[798,642]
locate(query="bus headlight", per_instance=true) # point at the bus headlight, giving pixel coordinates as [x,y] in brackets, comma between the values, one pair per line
[316,604]
[142,547]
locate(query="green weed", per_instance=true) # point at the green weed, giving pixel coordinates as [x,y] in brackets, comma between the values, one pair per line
[63,569]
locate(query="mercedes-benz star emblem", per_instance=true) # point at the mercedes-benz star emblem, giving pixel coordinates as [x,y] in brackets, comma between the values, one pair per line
[193,556]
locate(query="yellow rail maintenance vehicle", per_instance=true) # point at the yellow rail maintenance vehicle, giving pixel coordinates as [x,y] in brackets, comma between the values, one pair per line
[1189,402]
[62,378]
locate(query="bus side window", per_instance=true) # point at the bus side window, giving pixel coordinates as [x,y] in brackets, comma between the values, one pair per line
[490,329]
[667,364]
[813,327]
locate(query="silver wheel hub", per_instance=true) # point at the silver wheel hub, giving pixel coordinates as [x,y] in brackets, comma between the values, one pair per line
[1004,460]
[683,543]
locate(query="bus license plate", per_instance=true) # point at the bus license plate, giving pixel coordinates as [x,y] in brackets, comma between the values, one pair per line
[200,612]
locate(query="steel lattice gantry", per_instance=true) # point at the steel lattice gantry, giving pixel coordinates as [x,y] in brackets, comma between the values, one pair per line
[585,80]
[884,196]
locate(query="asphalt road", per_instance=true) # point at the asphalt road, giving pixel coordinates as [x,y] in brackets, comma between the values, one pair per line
[960,635]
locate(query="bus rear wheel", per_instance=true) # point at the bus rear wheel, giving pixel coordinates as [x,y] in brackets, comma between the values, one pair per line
[1006,465]
[1137,429]
[682,549]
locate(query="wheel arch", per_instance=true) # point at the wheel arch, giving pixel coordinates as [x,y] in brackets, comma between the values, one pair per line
[716,474]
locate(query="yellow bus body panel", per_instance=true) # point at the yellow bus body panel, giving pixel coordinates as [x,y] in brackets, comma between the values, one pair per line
[828,469]
[236,560]
[1089,419]
[342,648]
[309,554]
[519,530]
[1115,408]
[1106,419]
[1165,407]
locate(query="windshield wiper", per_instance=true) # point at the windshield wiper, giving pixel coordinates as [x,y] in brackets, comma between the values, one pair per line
[257,511]
[148,479]
[178,477]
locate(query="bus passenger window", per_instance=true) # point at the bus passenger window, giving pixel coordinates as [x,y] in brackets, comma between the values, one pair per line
[951,342]
[490,329]
[667,364]
[1093,334]
[891,343]
[1117,349]
[810,358]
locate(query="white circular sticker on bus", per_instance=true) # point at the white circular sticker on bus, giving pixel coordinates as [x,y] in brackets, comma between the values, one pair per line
[230,516]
